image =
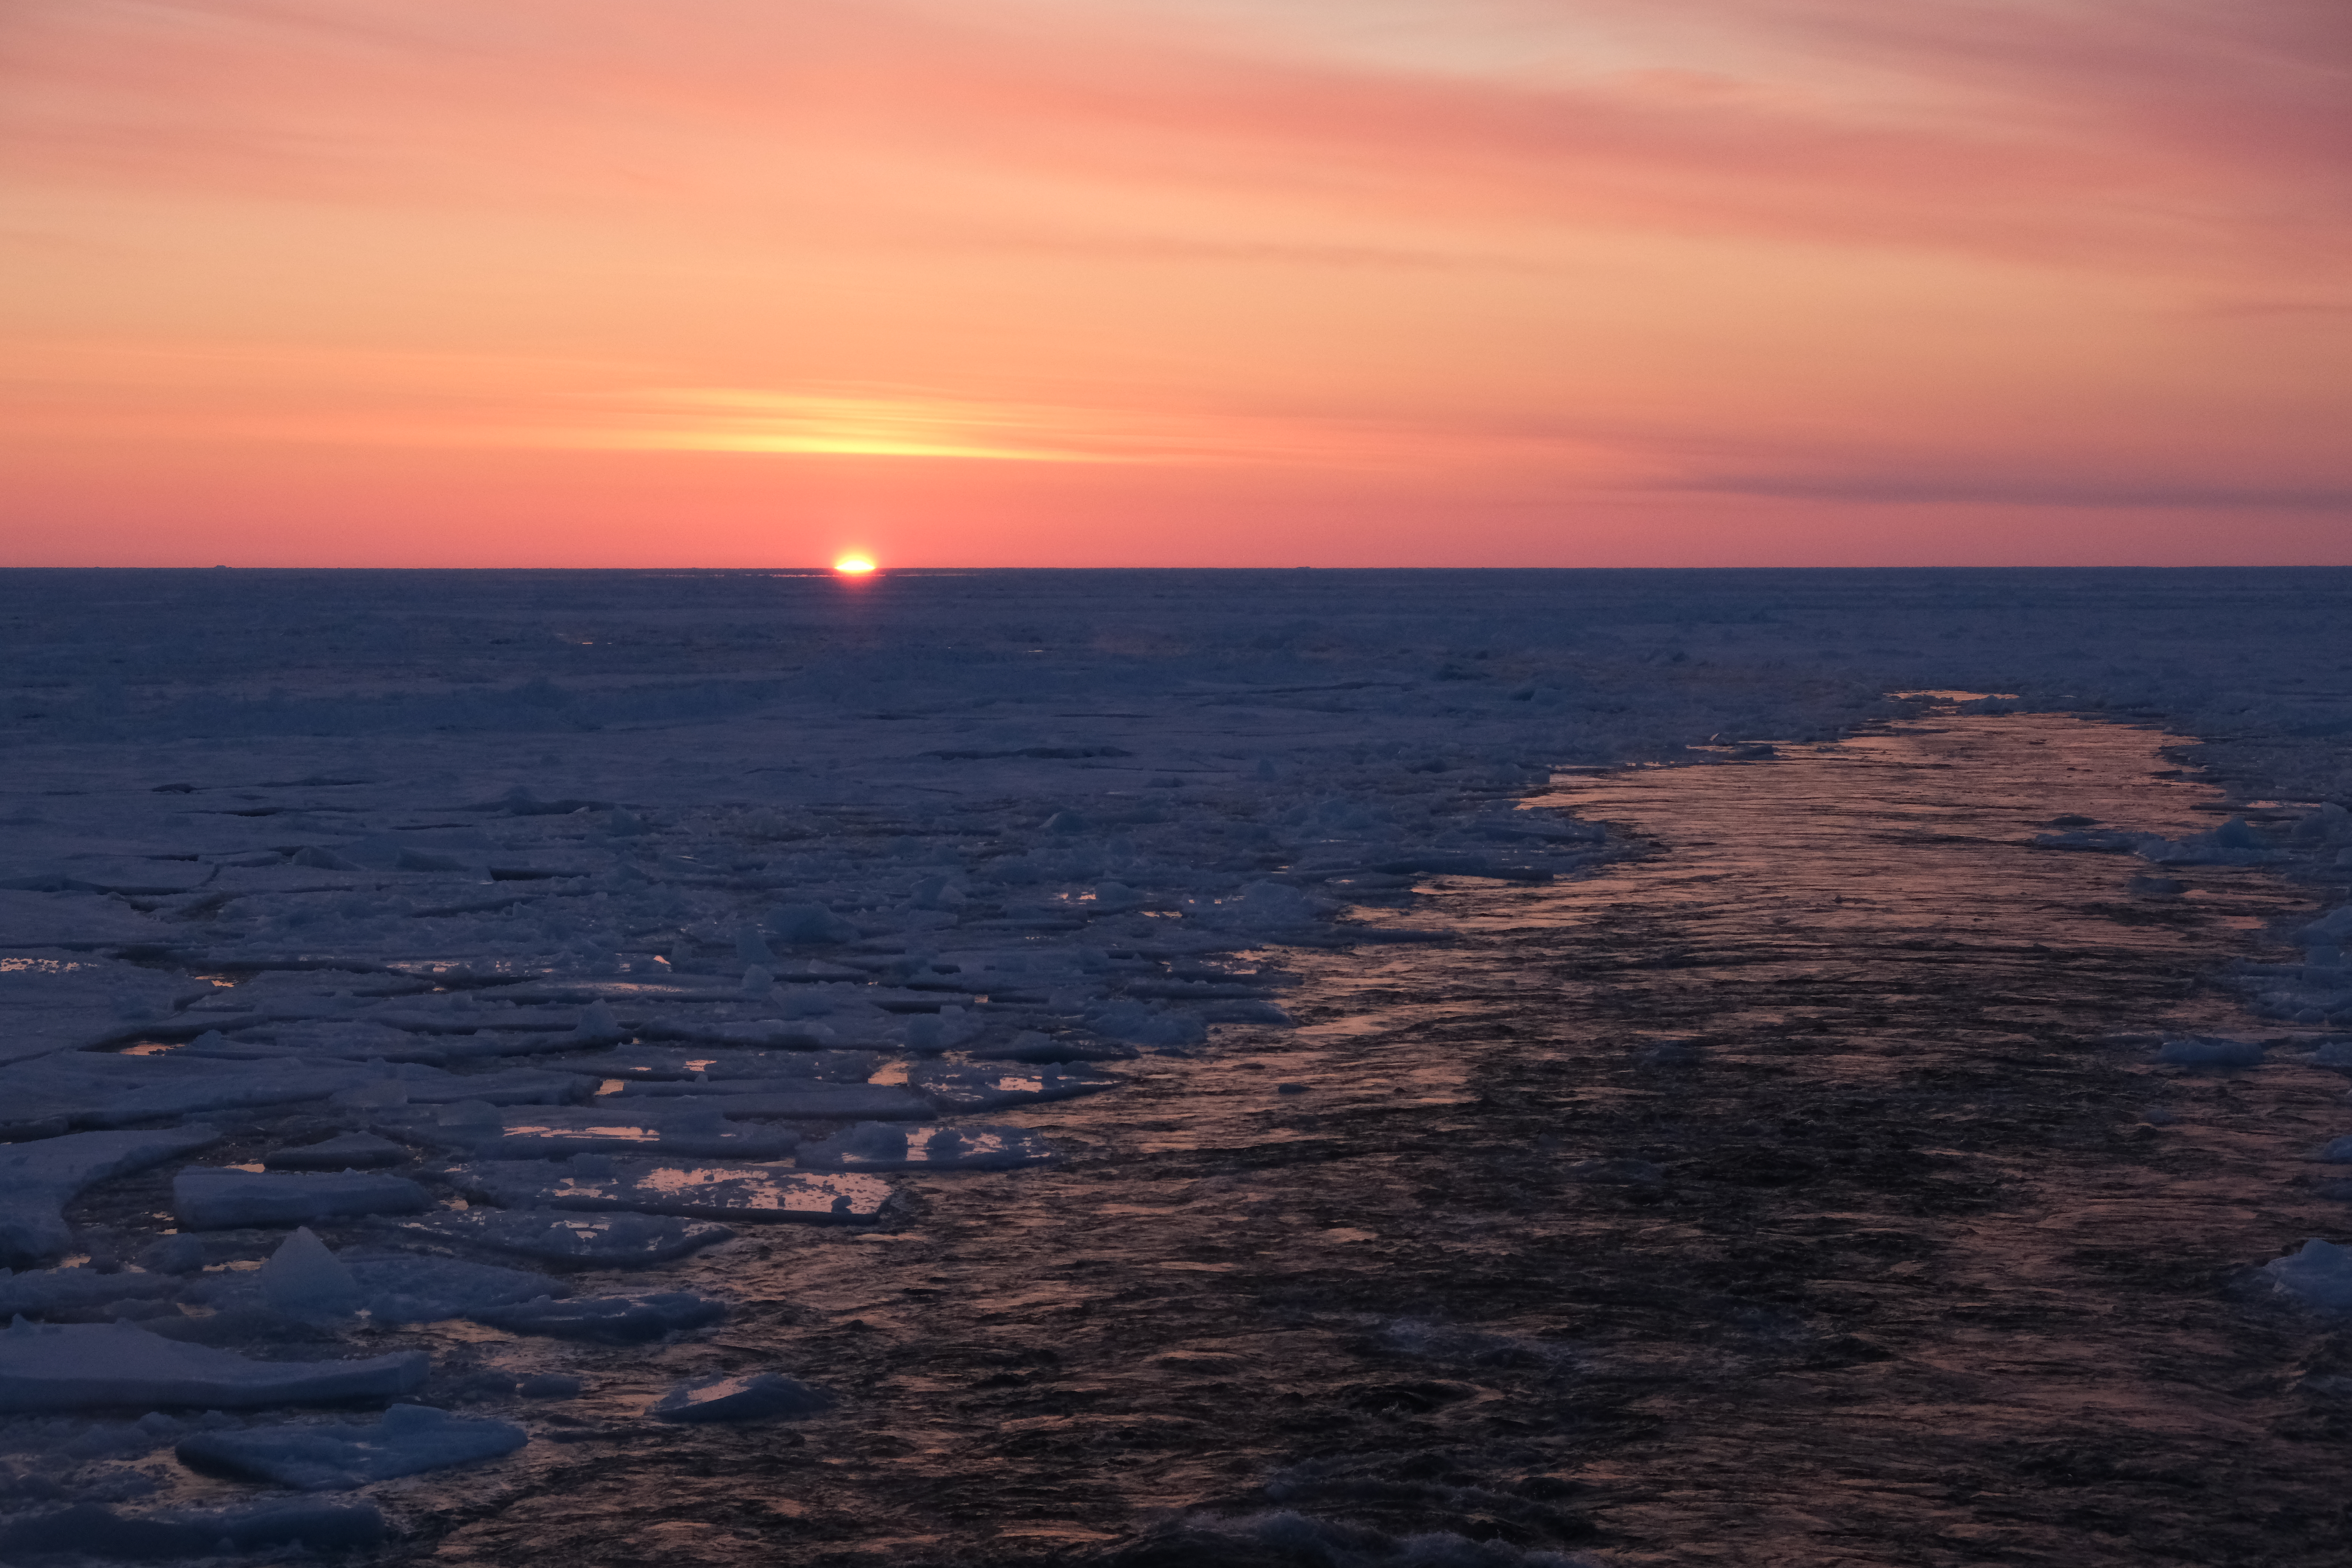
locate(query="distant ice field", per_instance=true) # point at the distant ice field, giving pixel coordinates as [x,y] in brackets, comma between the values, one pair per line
[631,913]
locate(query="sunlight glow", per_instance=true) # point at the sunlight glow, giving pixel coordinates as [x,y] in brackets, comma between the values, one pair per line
[853,566]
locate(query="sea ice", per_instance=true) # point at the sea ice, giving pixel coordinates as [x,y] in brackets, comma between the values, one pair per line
[613,1240]
[410,1288]
[687,1128]
[687,1192]
[880,1146]
[95,1089]
[79,1367]
[763,1396]
[210,1198]
[975,1087]
[87,1530]
[2320,1276]
[610,1319]
[334,1455]
[37,1179]
[346,1152]
[53,1292]
[2210,1051]
[809,1098]
[303,1280]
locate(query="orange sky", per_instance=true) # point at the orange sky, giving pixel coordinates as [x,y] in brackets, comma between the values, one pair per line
[1214,282]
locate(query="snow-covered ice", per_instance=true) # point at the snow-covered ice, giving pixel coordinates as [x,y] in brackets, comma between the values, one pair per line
[335,1456]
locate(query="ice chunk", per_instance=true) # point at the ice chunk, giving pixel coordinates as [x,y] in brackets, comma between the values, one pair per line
[85,1530]
[807,1097]
[1140,1024]
[37,1179]
[55,1000]
[611,1319]
[81,1367]
[74,920]
[762,1396]
[665,1187]
[880,1146]
[216,1199]
[1033,1046]
[2320,1276]
[598,1027]
[618,1240]
[409,1287]
[332,1455]
[53,1292]
[2210,1051]
[349,1151]
[664,1127]
[303,1280]
[102,1090]
[973,1088]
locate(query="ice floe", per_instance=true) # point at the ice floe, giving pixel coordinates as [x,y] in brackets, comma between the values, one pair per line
[882,1146]
[608,1240]
[335,1456]
[2319,1275]
[760,1397]
[214,1198]
[37,1179]
[687,1192]
[91,1367]
[90,1530]
[610,1319]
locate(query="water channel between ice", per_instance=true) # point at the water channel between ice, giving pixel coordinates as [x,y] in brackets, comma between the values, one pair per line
[1779,1197]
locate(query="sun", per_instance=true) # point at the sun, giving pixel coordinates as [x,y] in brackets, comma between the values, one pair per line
[853,566]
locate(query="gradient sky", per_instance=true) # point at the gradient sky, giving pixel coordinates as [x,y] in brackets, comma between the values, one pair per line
[1210,282]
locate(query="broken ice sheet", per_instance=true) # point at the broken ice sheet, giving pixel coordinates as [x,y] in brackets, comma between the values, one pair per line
[608,1320]
[880,1146]
[664,1128]
[214,1198]
[93,1089]
[774,1097]
[685,1191]
[55,1000]
[761,1396]
[985,1088]
[610,1240]
[90,1366]
[333,1456]
[37,1179]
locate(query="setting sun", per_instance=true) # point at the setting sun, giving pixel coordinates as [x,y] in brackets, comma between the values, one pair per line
[853,566]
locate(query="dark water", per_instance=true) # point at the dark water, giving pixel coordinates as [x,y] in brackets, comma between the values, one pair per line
[1774,1199]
